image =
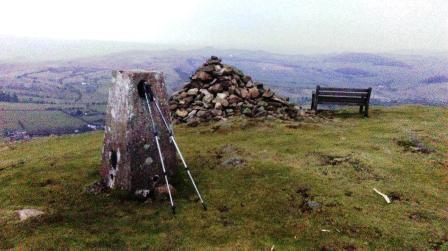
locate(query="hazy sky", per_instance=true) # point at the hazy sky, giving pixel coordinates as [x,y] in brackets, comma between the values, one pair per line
[289,26]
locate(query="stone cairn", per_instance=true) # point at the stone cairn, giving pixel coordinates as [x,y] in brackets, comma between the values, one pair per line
[217,91]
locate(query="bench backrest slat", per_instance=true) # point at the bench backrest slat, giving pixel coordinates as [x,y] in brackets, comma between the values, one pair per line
[344,94]
[341,99]
[343,89]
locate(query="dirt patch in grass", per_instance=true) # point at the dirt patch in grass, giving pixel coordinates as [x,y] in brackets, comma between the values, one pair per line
[16,164]
[395,196]
[303,125]
[308,203]
[363,171]
[412,144]
[439,243]
[420,216]
[48,182]
[228,156]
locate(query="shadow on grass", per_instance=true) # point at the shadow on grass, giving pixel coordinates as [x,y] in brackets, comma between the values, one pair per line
[342,114]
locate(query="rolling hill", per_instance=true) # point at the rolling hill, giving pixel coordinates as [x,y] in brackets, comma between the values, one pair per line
[82,83]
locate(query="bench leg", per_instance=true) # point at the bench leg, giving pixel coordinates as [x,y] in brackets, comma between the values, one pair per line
[312,102]
[366,111]
[360,109]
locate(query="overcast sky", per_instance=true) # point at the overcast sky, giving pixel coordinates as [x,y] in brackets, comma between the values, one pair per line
[287,26]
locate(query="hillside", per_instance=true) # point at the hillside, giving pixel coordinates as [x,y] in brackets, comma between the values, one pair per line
[396,78]
[301,185]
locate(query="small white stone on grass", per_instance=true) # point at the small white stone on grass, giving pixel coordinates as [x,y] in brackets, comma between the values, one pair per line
[28,213]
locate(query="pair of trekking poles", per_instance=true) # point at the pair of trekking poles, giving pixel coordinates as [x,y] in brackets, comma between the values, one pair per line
[150,98]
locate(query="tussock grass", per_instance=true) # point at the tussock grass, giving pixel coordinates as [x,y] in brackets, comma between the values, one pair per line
[255,205]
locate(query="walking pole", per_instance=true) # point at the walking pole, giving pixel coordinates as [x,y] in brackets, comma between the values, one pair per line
[173,140]
[156,136]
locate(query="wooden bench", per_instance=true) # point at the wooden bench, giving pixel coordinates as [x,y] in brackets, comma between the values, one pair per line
[342,96]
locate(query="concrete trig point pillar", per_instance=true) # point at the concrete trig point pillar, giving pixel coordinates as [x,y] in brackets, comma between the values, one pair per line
[130,159]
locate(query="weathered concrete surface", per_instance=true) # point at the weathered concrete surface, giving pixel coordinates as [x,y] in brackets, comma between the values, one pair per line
[130,159]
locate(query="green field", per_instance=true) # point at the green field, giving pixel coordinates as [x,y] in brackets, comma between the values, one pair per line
[302,186]
[45,119]
[5,106]
[37,121]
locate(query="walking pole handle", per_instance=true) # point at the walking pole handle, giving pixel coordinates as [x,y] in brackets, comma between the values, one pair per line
[149,92]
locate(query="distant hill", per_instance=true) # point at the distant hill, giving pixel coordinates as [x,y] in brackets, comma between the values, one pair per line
[78,75]
[355,72]
[436,79]
[367,58]
[394,78]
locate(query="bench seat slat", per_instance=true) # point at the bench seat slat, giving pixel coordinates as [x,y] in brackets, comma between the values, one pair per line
[343,89]
[341,99]
[339,103]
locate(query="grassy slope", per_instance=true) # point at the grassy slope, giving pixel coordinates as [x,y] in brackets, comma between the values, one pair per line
[253,206]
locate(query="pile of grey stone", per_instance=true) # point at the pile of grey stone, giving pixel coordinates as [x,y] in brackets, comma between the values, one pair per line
[217,91]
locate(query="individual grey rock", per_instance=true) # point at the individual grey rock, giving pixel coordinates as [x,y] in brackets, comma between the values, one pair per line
[183,95]
[233,161]
[205,92]
[246,78]
[188,100]
[207,98]
[313,205]
[229,112]
[244,93]
[192,122]
[96,188]
[202,76]
[227,70]
[27,213]
[208,68]
[262,103]
[222,95]
[162,191]
[142,193]
[233,99]
[268,93]
[216,112]
[201,114]
[216,88]
[192,113]
[181,113]
[148,161]
[247,111]
[253,92]
[225,103]
[193,91]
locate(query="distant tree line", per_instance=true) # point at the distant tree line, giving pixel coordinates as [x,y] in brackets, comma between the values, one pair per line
[7,97]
